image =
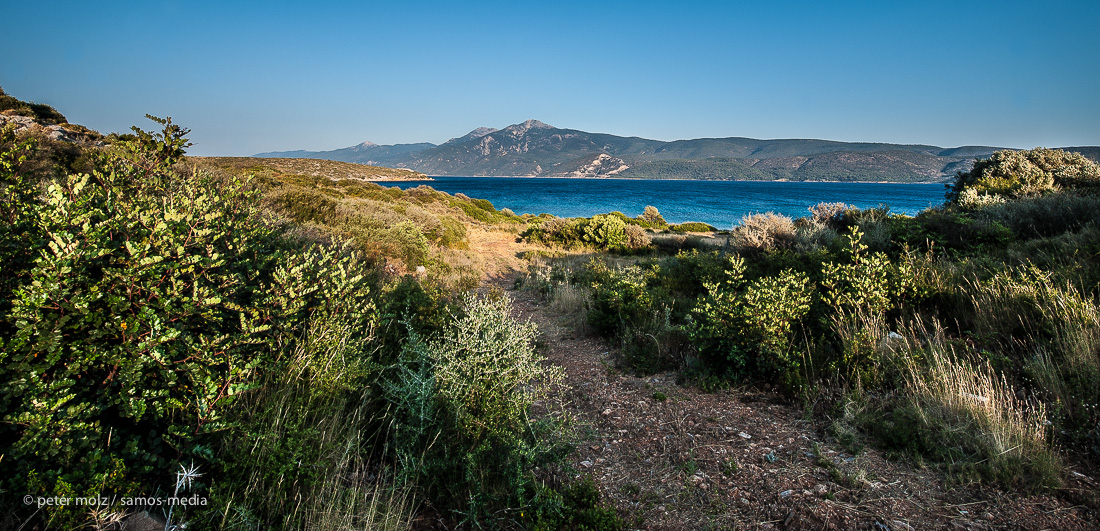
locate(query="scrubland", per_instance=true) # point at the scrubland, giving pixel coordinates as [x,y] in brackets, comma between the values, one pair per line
[307,352]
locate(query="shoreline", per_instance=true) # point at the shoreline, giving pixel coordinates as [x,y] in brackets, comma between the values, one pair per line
[432,177]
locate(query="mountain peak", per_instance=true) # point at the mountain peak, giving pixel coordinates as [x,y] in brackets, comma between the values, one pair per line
[535,124]
[520,129]
[367,144]
[476,133]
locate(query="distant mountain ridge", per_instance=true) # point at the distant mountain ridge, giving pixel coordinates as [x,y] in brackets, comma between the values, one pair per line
[533,148]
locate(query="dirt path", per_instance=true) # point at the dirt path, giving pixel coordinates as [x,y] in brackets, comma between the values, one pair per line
[671,457]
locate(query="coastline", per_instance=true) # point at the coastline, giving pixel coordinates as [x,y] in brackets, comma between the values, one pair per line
[432,177]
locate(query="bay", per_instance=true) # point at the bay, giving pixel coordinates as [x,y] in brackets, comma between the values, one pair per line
[719,203]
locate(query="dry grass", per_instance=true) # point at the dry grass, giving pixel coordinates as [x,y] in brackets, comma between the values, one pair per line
[571,302]
[331,169]
[971,396]
[957,409]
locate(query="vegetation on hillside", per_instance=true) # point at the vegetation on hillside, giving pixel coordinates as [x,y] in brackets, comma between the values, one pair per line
[401,230]
[174,331]
[39,111]
[330,169]
[968,335]
[299,351]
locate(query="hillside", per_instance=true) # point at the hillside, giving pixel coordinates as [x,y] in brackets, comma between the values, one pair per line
[329,169]
[533,148]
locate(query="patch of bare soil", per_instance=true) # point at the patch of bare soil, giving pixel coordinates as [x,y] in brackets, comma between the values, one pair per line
[672,457]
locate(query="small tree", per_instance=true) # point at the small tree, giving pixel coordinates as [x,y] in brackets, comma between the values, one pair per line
[653,218]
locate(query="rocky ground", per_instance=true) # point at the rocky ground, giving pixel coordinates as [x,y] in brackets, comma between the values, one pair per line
[673,457]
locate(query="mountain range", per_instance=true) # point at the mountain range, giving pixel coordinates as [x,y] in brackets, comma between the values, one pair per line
[535,149]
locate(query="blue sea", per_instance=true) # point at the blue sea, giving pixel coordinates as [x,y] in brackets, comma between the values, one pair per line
[719,203]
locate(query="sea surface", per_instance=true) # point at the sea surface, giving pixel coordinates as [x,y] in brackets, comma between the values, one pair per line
[719,203]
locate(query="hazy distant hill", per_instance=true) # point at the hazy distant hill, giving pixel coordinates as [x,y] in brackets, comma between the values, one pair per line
[533,148]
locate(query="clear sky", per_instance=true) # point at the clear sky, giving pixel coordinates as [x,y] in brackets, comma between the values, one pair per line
[250,76]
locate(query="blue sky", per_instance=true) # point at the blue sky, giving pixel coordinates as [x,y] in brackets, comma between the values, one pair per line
[261,76]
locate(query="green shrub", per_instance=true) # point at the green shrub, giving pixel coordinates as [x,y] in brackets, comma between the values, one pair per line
[20,236]
[303,205]
[484,204]
[621,298]
[959,231]
[746,329]
[652,218]
[605,232]
[1014,174]
[693,227]
[156,300]
[475,211]
[459,401]
[577,506]
[608,232]
[1045,216]
[862,284]
[628,305]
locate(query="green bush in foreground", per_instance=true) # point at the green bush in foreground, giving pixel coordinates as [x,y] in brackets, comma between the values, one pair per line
[154,301]
[745,329]
[460,401]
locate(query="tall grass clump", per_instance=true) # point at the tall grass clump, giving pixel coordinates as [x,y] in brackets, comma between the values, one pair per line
[1052,331]
[956,409]
[306,456]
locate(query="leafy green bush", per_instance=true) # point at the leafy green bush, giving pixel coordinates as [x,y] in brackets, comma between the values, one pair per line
[576,506]
[608,232]
[629,306]
[862,284]
[605,232]
[746,329]
[154,302]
